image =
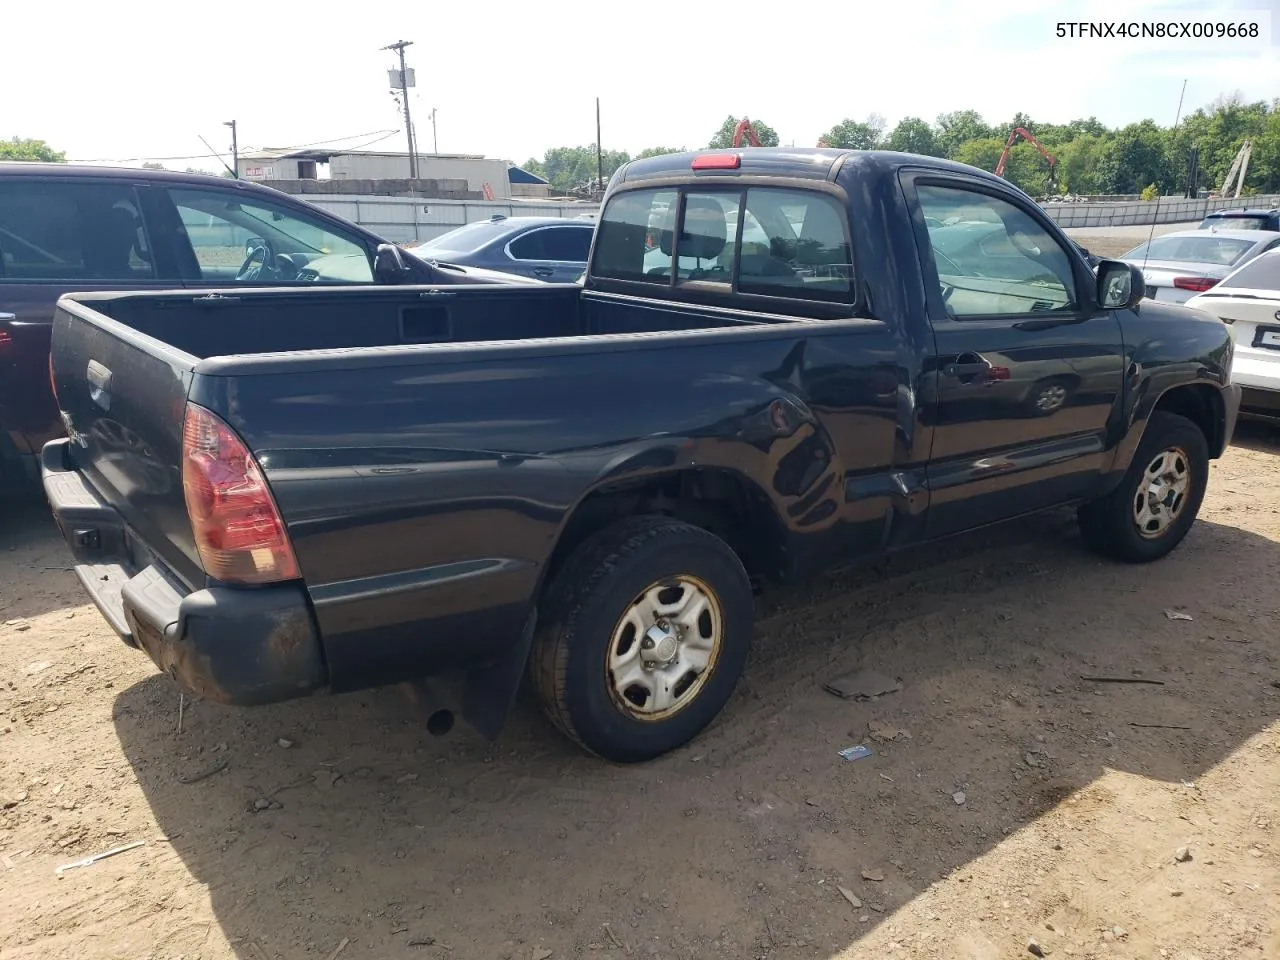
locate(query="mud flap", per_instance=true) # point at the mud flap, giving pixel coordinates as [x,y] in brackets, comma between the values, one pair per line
[491,690]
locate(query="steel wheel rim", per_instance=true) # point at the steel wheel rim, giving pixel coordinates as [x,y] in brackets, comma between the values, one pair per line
[1162,492]
[1051,398]
[664,648]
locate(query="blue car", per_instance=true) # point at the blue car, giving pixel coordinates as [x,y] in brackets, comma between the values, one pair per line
[551,249]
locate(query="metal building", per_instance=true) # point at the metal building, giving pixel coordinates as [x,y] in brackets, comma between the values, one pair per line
[491,178]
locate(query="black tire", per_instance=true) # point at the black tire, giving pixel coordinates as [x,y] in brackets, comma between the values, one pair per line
[587,601]
[1110,526]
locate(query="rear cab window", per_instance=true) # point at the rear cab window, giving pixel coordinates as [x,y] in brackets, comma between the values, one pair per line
[788,245]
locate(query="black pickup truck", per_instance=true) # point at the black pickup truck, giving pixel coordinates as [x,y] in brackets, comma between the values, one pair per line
[779,360]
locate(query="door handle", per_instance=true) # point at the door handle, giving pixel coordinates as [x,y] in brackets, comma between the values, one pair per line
[542,271]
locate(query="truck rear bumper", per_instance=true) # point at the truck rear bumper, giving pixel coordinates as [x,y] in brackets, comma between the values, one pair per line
[230,645]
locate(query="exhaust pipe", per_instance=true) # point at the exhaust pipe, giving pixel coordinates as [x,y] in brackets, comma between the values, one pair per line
[440,723]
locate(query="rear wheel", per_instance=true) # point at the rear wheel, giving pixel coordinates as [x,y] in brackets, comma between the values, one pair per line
[646,631]
[1156,503]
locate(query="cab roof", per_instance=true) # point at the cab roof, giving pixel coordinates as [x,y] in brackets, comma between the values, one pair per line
[812,163]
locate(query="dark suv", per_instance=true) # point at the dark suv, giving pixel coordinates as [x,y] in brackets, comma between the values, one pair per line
[1243,220]
[67,228]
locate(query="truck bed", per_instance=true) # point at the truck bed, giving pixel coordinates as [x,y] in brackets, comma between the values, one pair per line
[204,325]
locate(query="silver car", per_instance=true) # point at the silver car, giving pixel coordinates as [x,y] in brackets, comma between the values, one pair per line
[1183,263]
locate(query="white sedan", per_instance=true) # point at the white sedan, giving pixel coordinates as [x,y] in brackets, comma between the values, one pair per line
[1181,264]
[1248,300]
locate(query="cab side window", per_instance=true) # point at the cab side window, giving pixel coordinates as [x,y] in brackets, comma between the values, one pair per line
[992,258]
[239,239]
[57,231]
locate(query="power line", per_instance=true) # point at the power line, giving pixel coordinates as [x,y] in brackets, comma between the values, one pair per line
[211,156]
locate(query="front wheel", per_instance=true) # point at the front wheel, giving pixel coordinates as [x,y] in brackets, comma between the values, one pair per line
[646,632]
[1156,503]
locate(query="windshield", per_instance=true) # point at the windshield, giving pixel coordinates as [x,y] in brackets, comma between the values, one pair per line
[1235,223]
[1260,273]
[1222,251]
[464,239]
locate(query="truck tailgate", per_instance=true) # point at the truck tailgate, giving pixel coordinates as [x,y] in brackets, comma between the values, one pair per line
[122,395]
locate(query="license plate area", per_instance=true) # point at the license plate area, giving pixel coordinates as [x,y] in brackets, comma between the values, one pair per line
[1267,337]
[1151,292]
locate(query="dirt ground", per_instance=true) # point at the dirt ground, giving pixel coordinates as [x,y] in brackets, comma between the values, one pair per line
[1006,798]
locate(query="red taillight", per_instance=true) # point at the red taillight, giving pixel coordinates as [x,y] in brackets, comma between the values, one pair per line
[717,161]
[1194,283]
[6,339]
[237,527]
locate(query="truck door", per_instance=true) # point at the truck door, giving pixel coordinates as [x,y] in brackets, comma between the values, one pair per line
[1026,374]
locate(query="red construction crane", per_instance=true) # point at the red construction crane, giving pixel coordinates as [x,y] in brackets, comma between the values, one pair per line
[744,129]
[1026,135]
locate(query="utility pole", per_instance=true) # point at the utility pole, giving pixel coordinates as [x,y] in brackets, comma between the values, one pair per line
[404,85]
[235,149]
[435,146]
[599,152]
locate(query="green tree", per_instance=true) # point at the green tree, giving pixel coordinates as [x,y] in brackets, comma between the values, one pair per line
[20,148]
[567,168]
[855,135]
[913,135]
[1264,164]
[958,127]
[659,152]
[1078,163]
[983,153]
[724,136]
[1135,157]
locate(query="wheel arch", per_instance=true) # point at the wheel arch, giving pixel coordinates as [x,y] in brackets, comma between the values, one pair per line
[721,500]
[1201,402]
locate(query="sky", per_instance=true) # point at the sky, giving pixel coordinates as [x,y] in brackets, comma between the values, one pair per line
[144,79]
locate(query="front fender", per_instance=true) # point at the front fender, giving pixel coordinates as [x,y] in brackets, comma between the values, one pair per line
[1169,348]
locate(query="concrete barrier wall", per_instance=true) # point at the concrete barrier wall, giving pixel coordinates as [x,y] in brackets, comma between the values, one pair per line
[409,220]
[406,219]
[1143,212]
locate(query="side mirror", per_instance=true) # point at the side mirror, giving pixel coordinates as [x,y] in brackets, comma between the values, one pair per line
[388,265]
[1120,285]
